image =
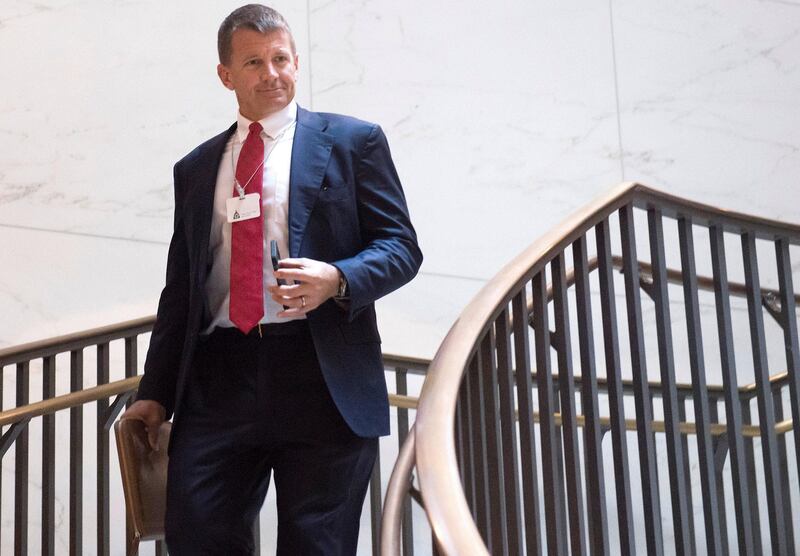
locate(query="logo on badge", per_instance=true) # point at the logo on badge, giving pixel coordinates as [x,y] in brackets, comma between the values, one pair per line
[236,215]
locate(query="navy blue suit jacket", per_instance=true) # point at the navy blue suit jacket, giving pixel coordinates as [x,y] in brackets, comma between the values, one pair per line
[346,207]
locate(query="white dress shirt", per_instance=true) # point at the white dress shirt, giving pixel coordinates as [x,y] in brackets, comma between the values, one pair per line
[278,135]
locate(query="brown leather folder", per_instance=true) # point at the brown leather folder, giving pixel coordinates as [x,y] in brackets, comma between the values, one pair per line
[144,479]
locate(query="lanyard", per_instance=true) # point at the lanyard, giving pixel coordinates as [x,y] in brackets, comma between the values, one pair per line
[240,188]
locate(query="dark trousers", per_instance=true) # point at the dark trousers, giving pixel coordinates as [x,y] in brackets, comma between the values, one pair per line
[257,407]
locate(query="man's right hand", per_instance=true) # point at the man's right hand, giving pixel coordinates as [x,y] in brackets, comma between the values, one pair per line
[152,414]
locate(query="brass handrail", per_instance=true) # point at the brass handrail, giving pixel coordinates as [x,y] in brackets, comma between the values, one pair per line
[105,391]
[686,428]
[76,340]
[437,466]
[93,336]
[66,401]
[735,289]
[396,492]
[776,381]
[46,353]
[674,276]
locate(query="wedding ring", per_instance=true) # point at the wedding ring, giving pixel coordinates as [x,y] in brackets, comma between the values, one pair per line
[303,300]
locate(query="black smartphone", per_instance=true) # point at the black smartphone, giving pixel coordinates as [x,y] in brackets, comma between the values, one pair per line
[275,254]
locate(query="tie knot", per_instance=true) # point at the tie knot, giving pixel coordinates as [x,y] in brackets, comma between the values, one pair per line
[255,128]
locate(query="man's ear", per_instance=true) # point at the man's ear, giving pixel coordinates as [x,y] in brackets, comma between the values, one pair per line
[225,76]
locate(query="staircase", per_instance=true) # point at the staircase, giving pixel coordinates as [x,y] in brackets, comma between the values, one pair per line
[629,384]
[592,399]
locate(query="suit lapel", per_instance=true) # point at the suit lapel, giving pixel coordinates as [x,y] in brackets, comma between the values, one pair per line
[311,150]
[203,185]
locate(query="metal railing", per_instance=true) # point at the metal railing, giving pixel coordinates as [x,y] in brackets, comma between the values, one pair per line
[115,384]
[501,463]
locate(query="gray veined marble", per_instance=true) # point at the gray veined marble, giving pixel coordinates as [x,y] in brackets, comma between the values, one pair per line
[502,117]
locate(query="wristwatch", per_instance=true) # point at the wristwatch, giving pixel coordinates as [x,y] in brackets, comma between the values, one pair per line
[342,291]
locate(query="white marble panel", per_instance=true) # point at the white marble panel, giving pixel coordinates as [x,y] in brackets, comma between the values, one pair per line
[56,283]
[105,97]
[501,116]
[708,94]
[414,319]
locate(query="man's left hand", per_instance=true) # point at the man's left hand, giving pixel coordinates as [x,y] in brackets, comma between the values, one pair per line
[314,283]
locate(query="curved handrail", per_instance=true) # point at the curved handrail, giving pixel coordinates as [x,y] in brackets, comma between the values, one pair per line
[43,356]
[395,494]
[67,401]
[436,462]
[105,391]
[76,340]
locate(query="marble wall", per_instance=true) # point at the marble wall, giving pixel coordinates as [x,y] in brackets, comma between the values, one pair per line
[503,118]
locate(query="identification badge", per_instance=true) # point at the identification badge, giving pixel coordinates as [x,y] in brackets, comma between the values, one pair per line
[243,208]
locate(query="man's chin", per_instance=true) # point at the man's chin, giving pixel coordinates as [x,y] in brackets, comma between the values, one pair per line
[263,110]
[272,93]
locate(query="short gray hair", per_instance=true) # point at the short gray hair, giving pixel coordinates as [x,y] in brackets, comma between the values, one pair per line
[252,16]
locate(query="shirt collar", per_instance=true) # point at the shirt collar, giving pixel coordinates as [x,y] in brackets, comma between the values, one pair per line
[273,124]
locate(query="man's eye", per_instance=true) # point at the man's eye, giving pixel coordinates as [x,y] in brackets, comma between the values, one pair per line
[253,62]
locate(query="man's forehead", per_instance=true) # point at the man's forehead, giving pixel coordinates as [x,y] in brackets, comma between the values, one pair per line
[248,39]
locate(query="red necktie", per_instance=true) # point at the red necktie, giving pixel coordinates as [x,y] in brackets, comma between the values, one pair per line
[247,240]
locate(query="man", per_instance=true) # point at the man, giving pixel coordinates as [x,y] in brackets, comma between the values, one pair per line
[266,379]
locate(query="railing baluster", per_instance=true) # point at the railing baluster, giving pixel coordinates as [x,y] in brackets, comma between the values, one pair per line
[479,462]
[590,402]
[644,415]
[752,479]
[669,393]
[131,370]
[48,459]
[508,435]
[616,394]
[21,467]
[559,451]
[470,449]
[527,439]
[459,434]
[103,491]
[786,498]
[700,390]
[721,443]
[569,425]
[733,405]
[766,412]
[131,357]
[790,338]
[687,467]
[375,504]
[401,387]
[553,500]
[498,541]
[76,457]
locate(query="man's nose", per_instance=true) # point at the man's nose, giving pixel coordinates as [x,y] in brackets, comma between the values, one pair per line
[269,72]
